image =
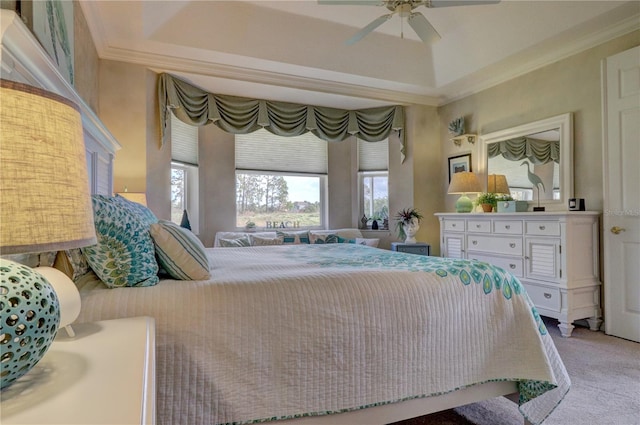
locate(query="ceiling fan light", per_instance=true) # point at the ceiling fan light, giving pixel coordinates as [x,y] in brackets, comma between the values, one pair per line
[404,10]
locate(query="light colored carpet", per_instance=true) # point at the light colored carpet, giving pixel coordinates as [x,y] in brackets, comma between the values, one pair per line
[605,376]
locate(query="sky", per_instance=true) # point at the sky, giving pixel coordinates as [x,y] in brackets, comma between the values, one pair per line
[303,188]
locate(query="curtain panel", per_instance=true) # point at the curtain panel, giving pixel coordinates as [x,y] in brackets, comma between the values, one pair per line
[536,151]
[238,115]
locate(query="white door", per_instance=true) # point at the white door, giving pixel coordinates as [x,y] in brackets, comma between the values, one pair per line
[621,218]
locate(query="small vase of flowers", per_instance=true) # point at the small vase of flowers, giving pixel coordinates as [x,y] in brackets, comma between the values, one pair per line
[407,224]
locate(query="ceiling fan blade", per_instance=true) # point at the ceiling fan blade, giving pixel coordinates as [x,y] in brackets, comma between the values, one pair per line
[366,30]
[352,2]
[423,28]
[446,3]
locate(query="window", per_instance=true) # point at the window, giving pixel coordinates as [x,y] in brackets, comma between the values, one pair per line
[178,192]
[373,172]
[280,181]
[184,172]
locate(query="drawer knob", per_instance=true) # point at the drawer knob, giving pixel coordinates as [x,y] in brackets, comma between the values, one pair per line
[508,226]
[453,225]
[512,266]
[547,295]
[542,227]
[477,226]
[474,242]
[512,245]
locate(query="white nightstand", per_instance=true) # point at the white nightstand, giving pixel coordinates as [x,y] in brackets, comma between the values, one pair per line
[105,375]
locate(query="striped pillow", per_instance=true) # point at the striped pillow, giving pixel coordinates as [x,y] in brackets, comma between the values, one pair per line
[180,252]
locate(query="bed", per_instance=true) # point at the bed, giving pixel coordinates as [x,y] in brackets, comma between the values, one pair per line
[313,332]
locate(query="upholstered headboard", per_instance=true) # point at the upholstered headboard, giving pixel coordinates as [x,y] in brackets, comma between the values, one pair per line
[24,60]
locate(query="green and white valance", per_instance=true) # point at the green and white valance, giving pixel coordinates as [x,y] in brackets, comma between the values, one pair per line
[536,151]
[238,115]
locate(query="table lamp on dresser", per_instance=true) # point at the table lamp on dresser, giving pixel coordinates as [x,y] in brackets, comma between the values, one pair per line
[463,183]
[45,205]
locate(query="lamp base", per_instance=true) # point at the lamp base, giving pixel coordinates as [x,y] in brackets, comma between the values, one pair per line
[464,204]
[30,319]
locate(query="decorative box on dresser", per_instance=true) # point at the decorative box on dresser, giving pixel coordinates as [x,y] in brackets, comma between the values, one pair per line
[554,254]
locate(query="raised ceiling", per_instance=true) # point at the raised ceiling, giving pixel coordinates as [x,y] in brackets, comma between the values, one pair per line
[294,50]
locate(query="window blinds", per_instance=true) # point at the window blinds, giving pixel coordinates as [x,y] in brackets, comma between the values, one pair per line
[184,142]
[264,151]
[373,156]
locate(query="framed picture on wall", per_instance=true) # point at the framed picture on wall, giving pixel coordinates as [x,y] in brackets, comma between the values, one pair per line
[459,163]
[52,24]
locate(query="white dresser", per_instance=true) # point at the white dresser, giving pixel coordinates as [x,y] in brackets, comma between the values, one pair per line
[554,254]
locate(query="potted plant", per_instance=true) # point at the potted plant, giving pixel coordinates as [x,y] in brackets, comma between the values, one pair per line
[488,201]
[407,224]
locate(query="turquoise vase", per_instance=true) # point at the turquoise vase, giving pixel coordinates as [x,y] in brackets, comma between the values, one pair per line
[30,319]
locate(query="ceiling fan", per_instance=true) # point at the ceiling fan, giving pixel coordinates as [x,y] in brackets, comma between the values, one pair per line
[404,8]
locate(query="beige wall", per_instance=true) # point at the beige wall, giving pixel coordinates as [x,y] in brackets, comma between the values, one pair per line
[158,156]
[570,85]
[217,171]
[423,128]
[123,109]
[86,61]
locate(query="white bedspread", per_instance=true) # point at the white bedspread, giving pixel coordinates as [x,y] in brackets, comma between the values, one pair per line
[289,331]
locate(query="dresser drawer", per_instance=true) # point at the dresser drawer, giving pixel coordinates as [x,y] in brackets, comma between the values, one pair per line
[542,228]
[479,226]
[507,227]
[495,245]
[548,298]
[512,265]
[451,225]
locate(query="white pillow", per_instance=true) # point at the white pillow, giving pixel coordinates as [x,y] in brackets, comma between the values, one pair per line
[368,241]
[258,241]
[235,243]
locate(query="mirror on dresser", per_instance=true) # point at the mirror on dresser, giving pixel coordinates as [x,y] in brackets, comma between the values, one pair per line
[538,150]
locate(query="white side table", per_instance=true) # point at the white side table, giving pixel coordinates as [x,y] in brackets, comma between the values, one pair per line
[105,375]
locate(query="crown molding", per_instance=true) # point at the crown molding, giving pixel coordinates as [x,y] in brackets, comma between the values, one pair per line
[170,63]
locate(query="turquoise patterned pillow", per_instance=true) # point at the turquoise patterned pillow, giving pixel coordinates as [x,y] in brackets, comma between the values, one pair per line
[142,212]
[295,238]
[180,252]
[124,254]
[235,243]
[322,239]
